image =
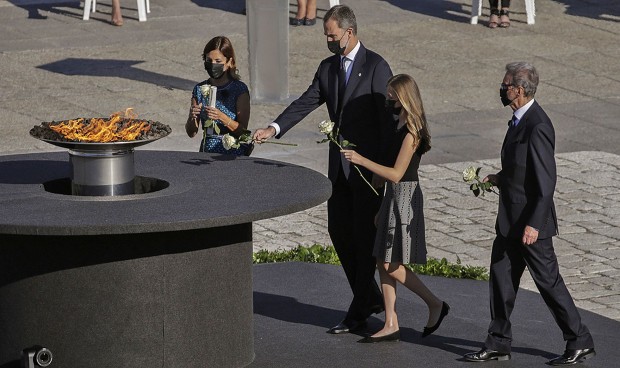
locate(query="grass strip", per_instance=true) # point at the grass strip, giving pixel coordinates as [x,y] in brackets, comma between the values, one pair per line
[327,255]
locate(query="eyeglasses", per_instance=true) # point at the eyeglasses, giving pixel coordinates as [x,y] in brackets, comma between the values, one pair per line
[505,87]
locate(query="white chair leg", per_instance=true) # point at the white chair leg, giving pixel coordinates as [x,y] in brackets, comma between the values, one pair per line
[94,5]
[141,10]
[530,9]
[333,3]
[87,6]
[148,6]
[476,11]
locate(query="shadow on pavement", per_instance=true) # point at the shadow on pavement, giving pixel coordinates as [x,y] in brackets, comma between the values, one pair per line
[116,68]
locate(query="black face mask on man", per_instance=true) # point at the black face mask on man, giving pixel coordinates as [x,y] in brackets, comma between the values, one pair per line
[503,94]
[334,46]
[216,71]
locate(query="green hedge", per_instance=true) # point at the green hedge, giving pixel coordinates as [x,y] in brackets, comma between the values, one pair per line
[327,255]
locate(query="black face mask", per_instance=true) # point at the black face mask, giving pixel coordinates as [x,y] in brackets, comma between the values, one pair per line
[216,71]
[390,106]
[503,94]
[334,46]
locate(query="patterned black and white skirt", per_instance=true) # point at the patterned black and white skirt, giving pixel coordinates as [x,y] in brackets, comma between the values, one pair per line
[400,225]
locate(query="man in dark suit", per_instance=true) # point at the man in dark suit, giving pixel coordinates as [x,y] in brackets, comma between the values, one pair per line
[526,223]
[352,83]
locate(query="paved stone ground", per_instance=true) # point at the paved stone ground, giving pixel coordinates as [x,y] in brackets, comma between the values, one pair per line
[54,65]
[461,226]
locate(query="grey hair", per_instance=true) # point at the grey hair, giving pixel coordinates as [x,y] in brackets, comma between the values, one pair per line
[344,17]
[524,75]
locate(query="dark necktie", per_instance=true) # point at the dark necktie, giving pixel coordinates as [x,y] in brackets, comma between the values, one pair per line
[512,122]
[342,82]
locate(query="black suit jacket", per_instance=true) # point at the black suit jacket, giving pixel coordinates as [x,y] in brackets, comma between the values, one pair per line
[362,119]
[528,177]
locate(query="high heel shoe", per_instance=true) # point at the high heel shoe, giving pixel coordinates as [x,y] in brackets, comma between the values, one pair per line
[494,18]
[445,308]
[296,22]
[504,18]
[309,22]
[394,336]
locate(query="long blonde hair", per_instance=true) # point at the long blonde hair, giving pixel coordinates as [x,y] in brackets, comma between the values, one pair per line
[407,92]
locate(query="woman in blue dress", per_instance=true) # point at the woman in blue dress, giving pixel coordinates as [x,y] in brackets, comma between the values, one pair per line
[231,113]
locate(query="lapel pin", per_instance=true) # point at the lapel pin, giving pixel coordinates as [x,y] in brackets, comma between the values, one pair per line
[359,75]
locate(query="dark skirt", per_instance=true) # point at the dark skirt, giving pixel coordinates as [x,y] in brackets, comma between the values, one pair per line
[400,225]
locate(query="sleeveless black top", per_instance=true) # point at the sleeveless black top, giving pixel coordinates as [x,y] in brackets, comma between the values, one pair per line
[411,174]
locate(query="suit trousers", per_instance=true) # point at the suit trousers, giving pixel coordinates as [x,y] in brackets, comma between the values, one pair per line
[508,260]
[350,221]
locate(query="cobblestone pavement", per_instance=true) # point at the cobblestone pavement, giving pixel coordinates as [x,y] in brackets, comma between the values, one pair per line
[461,226]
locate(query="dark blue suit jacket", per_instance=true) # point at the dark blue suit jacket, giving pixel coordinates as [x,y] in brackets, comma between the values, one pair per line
[528,177]
[362,119]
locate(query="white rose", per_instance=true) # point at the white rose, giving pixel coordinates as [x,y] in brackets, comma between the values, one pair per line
[326,126]
[469,174]
[204,89]
[228,141]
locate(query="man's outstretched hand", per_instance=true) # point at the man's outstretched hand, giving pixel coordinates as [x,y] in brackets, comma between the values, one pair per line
[261,135]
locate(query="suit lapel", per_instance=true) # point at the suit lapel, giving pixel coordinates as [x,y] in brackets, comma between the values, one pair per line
[333,81]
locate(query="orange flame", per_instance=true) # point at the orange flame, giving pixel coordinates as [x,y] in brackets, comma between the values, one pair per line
[99,130]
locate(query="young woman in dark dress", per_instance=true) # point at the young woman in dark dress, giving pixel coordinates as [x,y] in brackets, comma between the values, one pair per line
[400,221]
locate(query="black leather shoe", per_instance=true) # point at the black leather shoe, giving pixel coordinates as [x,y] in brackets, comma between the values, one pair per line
[486,355]
[394,336]
[347,326]
[573,356]
[445,308]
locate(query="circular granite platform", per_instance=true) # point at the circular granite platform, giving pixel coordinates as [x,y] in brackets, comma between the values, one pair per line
[158,279]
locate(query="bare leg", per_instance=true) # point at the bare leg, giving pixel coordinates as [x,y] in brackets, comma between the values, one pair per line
[311,9]
[388,288]
[117,18]
[302,8]
[412,282]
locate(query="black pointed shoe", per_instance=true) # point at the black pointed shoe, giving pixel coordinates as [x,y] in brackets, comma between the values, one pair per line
[347,326]
[573,356]
[486,355]
[445,308]
[394,336]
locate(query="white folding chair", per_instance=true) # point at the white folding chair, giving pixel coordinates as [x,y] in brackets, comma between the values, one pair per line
[143,8]
[476,10]
[333,3]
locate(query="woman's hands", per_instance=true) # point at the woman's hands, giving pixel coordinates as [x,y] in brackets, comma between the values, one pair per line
[353,156]
[214,113]
[191,126]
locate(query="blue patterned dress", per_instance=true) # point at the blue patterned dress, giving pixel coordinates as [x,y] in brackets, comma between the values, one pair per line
[226,101]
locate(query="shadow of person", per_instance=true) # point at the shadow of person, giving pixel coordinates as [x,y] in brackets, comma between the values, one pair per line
[32,9]
[116,68]
[603,10]
[456,345]
[439,9]
[289,309]
[232,6]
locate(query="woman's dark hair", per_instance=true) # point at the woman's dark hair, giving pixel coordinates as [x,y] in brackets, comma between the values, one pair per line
[223,44]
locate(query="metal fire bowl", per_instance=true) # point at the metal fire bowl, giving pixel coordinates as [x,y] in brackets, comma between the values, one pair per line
[94,146]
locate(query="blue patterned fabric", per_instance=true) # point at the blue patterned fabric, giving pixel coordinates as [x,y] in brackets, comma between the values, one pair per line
[226,101]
